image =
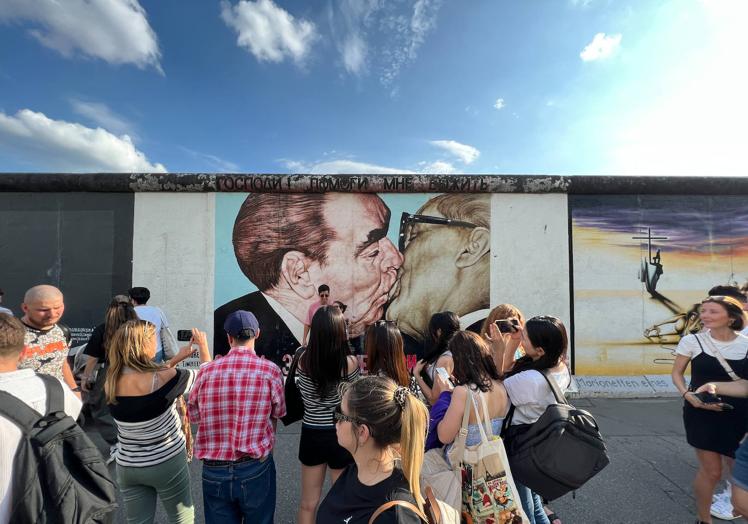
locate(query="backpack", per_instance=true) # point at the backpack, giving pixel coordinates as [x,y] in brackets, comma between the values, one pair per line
[59,476]
[559,452]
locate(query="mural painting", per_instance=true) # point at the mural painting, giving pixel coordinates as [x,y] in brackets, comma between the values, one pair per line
[641,264]
[400,257]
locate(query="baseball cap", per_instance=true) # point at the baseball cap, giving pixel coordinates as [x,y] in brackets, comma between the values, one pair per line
[241,324]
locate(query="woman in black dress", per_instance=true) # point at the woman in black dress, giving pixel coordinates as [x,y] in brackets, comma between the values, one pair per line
[713,431]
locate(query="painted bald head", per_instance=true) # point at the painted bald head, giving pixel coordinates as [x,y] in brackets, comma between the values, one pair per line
[43,306]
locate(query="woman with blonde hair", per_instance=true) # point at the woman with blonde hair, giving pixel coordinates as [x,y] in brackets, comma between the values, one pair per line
[142,396]
[383,425]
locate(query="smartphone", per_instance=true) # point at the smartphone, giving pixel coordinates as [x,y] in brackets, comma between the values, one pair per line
[708,398]
[508,325]
[184,335]
[443,373]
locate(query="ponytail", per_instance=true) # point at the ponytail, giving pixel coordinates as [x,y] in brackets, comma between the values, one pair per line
[415,418]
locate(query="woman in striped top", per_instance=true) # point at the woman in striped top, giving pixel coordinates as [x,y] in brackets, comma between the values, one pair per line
[151,458]
[324,364]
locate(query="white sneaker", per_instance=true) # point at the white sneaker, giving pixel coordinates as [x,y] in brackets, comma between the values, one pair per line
[112,454]
[722,509]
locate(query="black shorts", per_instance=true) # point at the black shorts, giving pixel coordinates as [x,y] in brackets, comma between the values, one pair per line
[320,446]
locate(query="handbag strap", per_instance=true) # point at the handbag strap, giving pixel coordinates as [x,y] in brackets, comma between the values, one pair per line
[391,504]
[458,450]
[486,432]
[560,399]
[725,365]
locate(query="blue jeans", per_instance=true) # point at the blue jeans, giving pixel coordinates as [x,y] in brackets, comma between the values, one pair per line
[532,504]
[237,493]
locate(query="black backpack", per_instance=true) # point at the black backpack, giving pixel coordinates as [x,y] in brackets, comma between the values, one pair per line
[558,453]
[59,476]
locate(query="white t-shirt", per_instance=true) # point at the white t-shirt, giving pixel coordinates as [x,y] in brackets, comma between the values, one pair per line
[26,386]
[531,394]
[156,317]
[733,350]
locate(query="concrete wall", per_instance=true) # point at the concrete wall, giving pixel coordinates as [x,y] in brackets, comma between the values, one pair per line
[173,255]
[574,247]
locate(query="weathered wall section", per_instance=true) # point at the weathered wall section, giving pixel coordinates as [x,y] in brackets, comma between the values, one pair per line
[621,260]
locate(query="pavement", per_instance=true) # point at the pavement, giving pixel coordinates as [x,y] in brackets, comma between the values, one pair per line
[648,479]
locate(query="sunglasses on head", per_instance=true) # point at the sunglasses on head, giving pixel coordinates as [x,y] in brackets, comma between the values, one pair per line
[342,417]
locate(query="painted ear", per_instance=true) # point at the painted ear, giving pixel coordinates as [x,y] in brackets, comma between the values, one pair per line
[477,244]
[295,274]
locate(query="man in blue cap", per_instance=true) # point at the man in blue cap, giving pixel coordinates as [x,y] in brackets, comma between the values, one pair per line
[236,402]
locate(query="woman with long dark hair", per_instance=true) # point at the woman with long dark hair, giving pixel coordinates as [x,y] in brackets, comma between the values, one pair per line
[325,363]
[383,344]
[544,341]
[474,373]
[716,355]
[441,328]
[118,312]
[382,425]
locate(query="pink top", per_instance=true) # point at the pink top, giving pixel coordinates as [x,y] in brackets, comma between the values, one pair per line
[312,310]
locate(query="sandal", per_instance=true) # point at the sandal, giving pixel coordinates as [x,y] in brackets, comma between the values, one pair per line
[555,519]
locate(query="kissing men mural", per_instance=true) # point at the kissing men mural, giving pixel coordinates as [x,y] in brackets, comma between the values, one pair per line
[274,250]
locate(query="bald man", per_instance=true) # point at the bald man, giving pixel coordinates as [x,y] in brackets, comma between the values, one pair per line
[46,344]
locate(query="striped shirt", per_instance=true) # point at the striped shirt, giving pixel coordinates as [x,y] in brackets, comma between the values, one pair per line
[318,410]
[149,429]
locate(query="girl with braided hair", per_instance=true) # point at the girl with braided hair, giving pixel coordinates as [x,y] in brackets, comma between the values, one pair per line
[383,425]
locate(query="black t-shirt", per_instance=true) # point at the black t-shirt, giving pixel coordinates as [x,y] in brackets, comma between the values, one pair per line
[95,345]
[351,502]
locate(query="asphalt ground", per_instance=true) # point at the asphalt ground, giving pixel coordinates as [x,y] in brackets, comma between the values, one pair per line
[648,479]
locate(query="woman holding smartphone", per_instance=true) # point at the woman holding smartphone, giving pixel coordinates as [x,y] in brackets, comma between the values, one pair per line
[441,328]
[716,355]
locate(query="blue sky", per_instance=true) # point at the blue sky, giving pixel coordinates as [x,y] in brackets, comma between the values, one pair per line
[546,86]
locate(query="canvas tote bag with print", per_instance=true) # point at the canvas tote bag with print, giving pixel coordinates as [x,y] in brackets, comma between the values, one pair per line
[489,495]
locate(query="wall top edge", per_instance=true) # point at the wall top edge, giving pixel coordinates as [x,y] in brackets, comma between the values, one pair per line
[391,183]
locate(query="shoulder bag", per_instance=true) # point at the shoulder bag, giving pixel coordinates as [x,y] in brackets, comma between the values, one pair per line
[722,362]
[294,402]
[489,494]
[557,453]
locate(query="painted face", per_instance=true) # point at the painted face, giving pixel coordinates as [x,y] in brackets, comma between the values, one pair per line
[362,263]
[714,316]
[428,275]
[44,314]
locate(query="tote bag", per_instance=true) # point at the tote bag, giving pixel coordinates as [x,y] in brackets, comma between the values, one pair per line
[489,495]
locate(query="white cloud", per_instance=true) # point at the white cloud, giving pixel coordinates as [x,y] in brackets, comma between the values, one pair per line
[116,31]
[438,167]
[601,47]
[214,162]
[354,54]
[342,167]
[102,115]
[64,146]
[499,104]
[381,37]
[467,154]
[269,32]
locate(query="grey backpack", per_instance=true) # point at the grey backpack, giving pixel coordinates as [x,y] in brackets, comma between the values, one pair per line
[59,476]
[559,452]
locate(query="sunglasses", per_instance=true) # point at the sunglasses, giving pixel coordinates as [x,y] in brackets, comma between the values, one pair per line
[384,322]
[324,295]
[341,417]
[407,220]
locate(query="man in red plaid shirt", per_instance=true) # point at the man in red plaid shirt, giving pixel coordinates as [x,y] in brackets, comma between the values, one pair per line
[236,402]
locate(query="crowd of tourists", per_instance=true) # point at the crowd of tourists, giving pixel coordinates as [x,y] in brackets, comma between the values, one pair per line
[399,445]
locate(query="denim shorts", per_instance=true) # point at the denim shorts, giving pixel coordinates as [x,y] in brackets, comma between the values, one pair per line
[740,468]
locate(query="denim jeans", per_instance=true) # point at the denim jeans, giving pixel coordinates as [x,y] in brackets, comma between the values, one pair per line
[532,505]
[237,493]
